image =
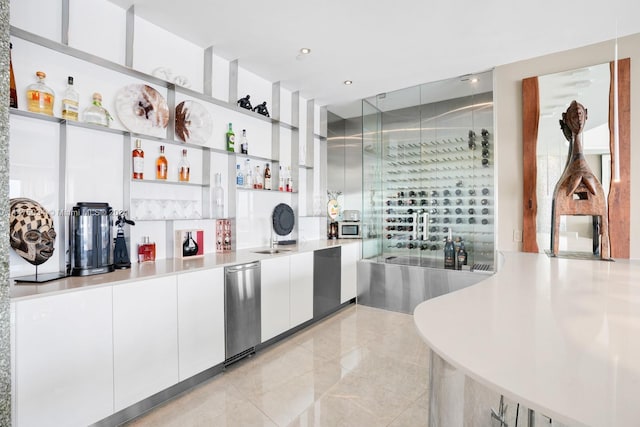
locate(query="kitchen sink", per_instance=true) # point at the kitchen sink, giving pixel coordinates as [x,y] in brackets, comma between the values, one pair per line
[272,251]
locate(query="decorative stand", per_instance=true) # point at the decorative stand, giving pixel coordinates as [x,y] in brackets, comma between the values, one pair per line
[578,191]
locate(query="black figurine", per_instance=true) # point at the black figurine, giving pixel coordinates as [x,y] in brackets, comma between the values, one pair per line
[262,109]
[245,103]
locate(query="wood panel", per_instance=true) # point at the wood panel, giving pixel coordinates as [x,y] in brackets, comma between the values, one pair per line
[620,191]
[530,119]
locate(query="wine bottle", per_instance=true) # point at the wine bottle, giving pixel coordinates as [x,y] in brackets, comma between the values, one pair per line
[137,157]
[231,139]
[13,93]
[449,253]
[462,255]
[244,143]
[161,165]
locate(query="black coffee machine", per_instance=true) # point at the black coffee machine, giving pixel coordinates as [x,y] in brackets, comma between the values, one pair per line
[91,249]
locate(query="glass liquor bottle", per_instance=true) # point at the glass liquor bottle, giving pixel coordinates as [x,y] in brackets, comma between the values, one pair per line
[184,169]
[137,158]
[231,139]
[258,182]
[280,179]
[289,184]
[189,246]
[146,250]
[70,102]
[239,176]
[13,93]
[162,165]
[244,143]
[218,198]
[248,175]
[40,97]
[267,177]
[95,113]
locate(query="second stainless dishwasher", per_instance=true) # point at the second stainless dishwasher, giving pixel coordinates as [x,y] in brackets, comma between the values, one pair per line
[242,310]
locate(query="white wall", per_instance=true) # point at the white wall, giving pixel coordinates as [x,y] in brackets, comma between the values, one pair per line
[508,113]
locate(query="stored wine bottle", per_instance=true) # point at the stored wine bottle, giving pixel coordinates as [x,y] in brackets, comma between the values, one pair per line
[461,255]
[449,253]
[244,143]
[231,139]
[13,93]
[162,165]
[137,158]
[184,168]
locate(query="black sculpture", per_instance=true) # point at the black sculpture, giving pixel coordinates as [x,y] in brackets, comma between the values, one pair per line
[262,109]
[245,103]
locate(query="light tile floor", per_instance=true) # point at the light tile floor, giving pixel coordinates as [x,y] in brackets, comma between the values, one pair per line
[360,367]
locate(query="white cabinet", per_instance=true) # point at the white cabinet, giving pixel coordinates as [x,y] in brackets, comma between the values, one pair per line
[63,359]
[200,321]
[274,295]
[301,288]
[349,269]
[145,339]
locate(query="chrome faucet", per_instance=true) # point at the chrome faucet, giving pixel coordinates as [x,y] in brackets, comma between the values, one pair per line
[273,242]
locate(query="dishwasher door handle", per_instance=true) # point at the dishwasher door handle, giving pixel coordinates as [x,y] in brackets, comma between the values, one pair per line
[239,268]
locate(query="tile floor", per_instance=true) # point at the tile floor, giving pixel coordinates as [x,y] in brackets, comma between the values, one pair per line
[360,367]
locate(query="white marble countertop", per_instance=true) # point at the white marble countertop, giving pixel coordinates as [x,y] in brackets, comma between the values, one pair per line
[557,335]
[163,267]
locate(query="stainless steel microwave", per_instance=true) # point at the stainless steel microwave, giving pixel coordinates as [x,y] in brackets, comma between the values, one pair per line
[349,230]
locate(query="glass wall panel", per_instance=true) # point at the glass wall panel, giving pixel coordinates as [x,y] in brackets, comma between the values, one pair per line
[431,147]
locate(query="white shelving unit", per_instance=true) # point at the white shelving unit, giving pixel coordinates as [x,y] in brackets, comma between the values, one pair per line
[90,158]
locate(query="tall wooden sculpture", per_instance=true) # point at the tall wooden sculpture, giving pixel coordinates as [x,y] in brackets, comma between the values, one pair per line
[578,191]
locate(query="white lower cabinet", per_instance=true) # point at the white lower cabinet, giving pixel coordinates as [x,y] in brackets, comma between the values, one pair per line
[301,288]
[145,339]
[349,271]
[63,359]
[200,321]
[274,296]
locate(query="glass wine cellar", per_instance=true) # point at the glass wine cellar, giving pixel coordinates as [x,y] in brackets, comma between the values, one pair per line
[428,168]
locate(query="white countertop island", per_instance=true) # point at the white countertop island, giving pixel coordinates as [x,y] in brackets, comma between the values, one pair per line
[560,336]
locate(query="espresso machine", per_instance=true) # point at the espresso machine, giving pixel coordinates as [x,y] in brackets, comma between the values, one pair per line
[91,250]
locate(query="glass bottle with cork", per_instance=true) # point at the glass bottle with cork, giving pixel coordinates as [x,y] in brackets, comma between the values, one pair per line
[137,159]
[244,143]
[162,166]
[184,168]
[40,97]
[95,113]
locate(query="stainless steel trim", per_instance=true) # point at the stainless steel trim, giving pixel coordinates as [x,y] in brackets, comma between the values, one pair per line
[130,33]
[64,36]
[207,74]
[233,82]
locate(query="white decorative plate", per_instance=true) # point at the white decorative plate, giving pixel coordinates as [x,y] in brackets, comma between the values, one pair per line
[142,109]
[193,122]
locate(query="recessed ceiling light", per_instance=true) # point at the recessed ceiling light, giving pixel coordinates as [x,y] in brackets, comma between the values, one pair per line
[305,51]
[474,80]
[348,82]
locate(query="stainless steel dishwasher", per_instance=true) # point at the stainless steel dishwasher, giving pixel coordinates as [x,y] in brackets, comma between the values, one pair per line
[242,310]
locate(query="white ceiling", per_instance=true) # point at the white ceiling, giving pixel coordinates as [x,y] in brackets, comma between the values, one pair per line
[384,45]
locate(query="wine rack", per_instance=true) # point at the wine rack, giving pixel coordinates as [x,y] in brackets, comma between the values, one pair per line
[433,186]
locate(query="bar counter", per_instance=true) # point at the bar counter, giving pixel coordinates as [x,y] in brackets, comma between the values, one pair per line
[559,336]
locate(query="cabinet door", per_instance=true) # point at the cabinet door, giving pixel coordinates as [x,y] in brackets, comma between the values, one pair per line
[145,339]
[274,291]
[63,359]
[301,292]
[200,321]
[349,268]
